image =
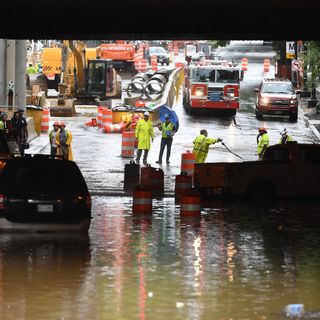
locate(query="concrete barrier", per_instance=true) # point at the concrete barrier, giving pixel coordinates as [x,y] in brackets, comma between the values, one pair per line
[31,129]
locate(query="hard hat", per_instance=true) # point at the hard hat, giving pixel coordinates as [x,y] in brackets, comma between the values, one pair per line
[263,129]
[62,124]
[146,113]
[56,123]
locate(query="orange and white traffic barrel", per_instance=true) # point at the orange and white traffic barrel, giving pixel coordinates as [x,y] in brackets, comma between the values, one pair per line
[157,182]
[183,183]
[266,65]
[106,117]
[45,120]
[188,160]
[244,64]
[114,128]
[143,65]
[142,200]
[100,116]
[176,50]
[190,203]
[145,175]
[127,149]
[154,63]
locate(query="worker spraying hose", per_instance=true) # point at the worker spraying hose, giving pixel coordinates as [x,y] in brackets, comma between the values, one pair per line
[230,150]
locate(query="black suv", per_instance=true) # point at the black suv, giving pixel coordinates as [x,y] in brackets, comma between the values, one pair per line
[43,194]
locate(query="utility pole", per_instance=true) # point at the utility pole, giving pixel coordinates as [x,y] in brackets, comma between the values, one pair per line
[20,73]
[3,67]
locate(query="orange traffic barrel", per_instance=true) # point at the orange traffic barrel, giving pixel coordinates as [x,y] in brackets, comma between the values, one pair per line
[190,203]
[175,50]
[244,64]
[92,123]
[145,177]
[131,176]
[266,65]
[100,116]
[157,182]
[106,116]
[187,162]
[142,200]
[143,65]
[179,65]
[45,120]
[127,149]
[114,128]
[154,63]
[183,183]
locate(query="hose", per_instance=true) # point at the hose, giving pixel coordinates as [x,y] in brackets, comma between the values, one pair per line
[230,150]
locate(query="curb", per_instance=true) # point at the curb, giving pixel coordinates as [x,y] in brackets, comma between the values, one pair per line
[308,124]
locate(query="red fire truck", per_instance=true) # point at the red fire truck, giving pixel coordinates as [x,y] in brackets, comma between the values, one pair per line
[212,85]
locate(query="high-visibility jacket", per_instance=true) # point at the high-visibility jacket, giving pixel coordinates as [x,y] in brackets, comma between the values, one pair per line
[144,132]
[68,143]
[2,125]
[263,141]
[287,139]
[201,147]
[167,129]
[31,70]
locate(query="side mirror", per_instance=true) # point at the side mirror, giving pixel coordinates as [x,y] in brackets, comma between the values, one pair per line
[256,90]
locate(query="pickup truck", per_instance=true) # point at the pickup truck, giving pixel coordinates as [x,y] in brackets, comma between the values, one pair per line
[288,170]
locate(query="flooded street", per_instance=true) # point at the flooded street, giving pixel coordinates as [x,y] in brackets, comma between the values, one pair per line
[235,262]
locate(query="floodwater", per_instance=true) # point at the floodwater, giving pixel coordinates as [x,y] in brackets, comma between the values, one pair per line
[233,262]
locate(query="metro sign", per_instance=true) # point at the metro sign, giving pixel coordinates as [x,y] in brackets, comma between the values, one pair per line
[290,50]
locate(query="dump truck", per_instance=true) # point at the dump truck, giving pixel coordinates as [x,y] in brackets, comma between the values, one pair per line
[289,170]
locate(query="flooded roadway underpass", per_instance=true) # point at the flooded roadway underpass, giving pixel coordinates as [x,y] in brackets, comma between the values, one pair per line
[235,262]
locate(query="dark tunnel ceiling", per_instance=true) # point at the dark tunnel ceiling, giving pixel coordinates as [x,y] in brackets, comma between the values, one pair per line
[155,19]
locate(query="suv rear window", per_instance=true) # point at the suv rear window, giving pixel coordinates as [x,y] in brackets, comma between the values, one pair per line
[28,176]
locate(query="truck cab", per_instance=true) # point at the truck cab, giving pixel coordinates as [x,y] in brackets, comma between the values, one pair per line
[289,170]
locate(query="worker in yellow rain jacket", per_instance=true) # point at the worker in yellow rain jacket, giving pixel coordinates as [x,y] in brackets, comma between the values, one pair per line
[63,142]
[144,132]
[285,137]
[262,142]
[201,146]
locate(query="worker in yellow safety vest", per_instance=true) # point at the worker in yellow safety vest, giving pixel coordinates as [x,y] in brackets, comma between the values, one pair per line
[63,142]
[31,69]
[201,146]
[144,132]
[285,137]
[262,142]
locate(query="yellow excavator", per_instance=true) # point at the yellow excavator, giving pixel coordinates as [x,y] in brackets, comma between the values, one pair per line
[77,73]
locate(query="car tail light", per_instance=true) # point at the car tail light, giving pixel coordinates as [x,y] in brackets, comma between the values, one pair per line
[1,201]
[88,202]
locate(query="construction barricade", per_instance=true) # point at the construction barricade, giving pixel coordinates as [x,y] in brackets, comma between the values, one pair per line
[100,116]
[153,178]
[127,148]
[187,163]
[154,63]
[114,128]
[183,183]
[266,65]
[142,200]
[244,64]
[190,204]
[106,117]
[131,176]
[92,123]
[45,120]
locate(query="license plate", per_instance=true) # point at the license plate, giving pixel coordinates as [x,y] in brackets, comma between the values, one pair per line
[45,207]
[278,112]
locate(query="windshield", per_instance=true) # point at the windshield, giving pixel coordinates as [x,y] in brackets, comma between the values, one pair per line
[157,50]
[203,75]
[228,76]
[277,88]
[96,77]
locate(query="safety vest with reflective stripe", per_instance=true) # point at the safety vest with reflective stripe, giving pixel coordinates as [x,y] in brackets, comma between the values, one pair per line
[263,141]
[287,139]
[201,147]
[167,129]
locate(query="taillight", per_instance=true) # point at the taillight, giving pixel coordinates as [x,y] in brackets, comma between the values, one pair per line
[1,201]
[88,202]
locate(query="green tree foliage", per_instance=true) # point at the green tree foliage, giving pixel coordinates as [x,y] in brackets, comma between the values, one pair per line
[218,43]
[312,61]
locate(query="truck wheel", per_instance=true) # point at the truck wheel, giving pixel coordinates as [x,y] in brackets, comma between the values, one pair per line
[261,192]
[294,118]
[231,113]
[259,115]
